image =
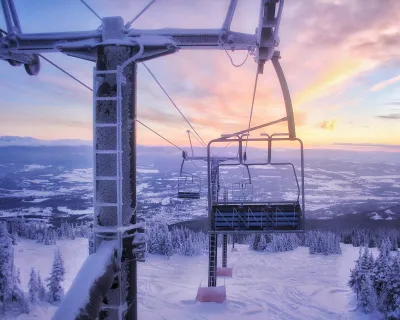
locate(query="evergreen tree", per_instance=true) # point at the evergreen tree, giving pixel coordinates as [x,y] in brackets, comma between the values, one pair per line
[6,267]
[262,244]
[53,237]
[385,247]
[254,242]
[17,277]
[46,237]
[24,303]
[367,298]
[189,246]
[361,272]
[33,286]
[380,276]
[18,294]
[14,237]
[56,291]
[346,238]
[152,241]
[41,288]
[169,250]
[393,288]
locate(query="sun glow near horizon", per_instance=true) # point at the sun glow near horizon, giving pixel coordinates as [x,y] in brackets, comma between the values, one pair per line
[344,90]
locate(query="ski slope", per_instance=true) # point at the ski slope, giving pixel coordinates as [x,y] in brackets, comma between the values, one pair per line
[288,285]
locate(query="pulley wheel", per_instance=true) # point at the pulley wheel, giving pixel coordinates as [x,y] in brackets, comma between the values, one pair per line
[33,68]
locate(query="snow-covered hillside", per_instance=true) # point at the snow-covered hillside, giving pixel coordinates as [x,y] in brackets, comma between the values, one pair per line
[288,285]
[33,142]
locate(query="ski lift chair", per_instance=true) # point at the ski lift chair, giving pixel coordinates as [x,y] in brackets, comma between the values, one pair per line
[242,213]
[189,186]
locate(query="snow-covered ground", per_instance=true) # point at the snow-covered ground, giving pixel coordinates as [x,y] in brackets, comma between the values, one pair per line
[288,285]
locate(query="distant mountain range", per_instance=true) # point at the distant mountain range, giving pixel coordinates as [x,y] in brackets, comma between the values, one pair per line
[42,178]
[6,141]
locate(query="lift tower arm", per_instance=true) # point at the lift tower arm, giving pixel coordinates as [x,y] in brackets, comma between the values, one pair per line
[19,47]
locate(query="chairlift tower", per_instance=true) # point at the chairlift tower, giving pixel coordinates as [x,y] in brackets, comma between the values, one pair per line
[116,49]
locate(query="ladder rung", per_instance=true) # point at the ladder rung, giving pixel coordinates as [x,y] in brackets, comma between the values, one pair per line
[106,151]
[114,307]
[115,229]
[106,71]
[106,98]
[106,125]
[107,178]
[269,23]
[106,204]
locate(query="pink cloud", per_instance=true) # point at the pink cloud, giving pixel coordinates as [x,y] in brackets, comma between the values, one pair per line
[385,83]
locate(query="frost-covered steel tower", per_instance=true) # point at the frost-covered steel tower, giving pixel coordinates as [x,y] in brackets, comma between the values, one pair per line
[116,49]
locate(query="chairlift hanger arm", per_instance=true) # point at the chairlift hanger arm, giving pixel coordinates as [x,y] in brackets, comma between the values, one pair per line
[233,136]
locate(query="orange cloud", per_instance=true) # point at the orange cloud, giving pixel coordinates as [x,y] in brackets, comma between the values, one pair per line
[328,125]
[333,78]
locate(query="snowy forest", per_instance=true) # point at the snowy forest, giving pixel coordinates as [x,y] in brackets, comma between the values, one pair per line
[375,281]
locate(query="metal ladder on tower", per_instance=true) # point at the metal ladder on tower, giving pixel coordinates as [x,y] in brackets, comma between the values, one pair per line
[212,267]
[212,255]
[101,128]
[119,231]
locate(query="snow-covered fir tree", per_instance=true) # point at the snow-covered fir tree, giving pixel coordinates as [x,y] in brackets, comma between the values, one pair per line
[362,270]
[18,294]
[56,290]
[14,237]
[33,287]
[177,239]
[254,240]
[6,267]
[168,247]
[262,243]
[367,299]
[393,288]
[41,288]
[10,283]
[24,303]
[189,247]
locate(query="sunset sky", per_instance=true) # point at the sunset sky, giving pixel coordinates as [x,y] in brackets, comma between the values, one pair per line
[341,59]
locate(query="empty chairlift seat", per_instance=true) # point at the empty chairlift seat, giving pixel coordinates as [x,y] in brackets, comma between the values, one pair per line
[253,217]
[188,188]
